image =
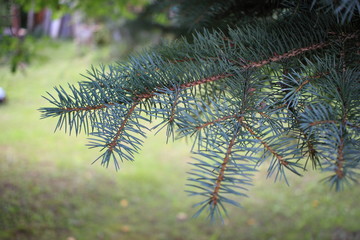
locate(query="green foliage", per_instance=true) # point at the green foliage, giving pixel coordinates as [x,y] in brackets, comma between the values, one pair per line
[16,51]
[49,190]
[344,9]
[120,8]
[279,88]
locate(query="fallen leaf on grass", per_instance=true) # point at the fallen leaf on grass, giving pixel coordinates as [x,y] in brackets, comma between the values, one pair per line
[315,203]
[181,216]
[124,203]
[251,221]
[125,228]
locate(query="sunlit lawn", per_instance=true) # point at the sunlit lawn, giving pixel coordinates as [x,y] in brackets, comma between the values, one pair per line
[49,189]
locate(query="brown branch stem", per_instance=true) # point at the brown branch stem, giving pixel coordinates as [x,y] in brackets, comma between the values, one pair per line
[323,122]
[87,108]
[215,121]
[291,53]
[275,58]
[340,160]
[302,85]
[173,108]
[113,143]
[220,178]
[281,160]
[143,96]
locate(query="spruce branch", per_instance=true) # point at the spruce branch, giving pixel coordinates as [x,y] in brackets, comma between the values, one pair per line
[215,121]
[340,160]
[221,175]
[215,180]
[120,134]
[271,90]
[113,143]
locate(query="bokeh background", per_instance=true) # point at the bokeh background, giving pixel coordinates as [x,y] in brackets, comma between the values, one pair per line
[50,190]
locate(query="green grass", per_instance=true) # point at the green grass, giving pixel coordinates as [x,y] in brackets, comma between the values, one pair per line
[50,190]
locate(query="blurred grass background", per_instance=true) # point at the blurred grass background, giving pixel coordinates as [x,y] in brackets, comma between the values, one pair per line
[50,190]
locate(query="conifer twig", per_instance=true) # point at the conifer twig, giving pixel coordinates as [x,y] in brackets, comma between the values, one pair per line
[340,160]
[280,158]
[221,175]
[113,143]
